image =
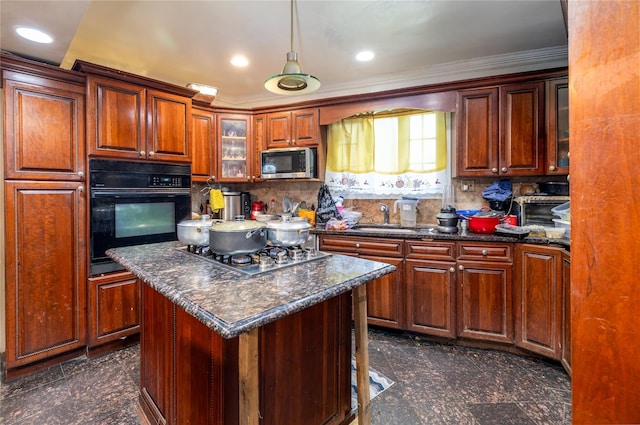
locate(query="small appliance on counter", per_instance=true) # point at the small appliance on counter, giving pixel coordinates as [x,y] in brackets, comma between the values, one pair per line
[235,204]
[447,217]
[407,211]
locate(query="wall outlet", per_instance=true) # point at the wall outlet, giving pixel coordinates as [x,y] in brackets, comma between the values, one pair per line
[468,185]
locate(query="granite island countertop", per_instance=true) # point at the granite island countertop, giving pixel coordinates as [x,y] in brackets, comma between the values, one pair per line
[230,302]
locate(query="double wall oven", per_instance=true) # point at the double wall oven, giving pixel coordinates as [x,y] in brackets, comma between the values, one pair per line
[134,203]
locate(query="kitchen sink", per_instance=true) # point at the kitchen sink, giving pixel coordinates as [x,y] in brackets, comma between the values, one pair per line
[391,228]
[384,229]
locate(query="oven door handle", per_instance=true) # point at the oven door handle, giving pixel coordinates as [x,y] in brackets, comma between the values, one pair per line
[120,193]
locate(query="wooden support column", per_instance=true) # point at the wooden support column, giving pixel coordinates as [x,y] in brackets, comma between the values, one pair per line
[362,354]
[249,378]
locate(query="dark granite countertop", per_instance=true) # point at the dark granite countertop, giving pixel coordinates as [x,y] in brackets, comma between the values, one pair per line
[231,303]
[425,233]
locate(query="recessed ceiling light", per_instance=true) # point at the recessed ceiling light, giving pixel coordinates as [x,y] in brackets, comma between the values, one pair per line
[34,35]
[365,56]
[239,60]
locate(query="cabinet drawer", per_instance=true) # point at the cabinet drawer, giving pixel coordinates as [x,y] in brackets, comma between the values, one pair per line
[485,251]
[362,245]
[431,250]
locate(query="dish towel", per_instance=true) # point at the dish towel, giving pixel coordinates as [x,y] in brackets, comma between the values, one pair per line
[216,200]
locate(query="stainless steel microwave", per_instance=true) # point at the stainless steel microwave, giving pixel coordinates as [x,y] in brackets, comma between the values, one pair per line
[288,163]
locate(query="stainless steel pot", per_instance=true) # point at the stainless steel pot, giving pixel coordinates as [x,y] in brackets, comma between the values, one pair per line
[237,237]
[288,231]
[195,232]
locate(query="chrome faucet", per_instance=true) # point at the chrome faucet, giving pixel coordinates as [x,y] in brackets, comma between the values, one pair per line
[385,209]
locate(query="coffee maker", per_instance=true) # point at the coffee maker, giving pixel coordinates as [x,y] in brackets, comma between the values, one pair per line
[447,217]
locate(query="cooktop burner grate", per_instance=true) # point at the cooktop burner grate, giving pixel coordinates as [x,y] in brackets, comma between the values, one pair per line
[266,260]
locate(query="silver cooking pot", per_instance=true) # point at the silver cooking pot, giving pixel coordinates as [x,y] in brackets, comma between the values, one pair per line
[237,237]
[195,232]
[288,231]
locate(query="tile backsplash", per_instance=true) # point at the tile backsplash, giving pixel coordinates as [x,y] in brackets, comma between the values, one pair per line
[307,191]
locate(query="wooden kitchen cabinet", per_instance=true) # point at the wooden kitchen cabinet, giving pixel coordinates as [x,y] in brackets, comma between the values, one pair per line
[386,295]
[130,121]
[485,309]
[431,288]
[44,136]
[292,128]
[234,148]
[45,224]
[538,298]
[566,311]
[113,308]
[203,131]
[477,128]
[500,131]
[259,144]
[557,112]
[189,374]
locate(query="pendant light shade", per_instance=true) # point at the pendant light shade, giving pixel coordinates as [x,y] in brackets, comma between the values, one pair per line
[292,80]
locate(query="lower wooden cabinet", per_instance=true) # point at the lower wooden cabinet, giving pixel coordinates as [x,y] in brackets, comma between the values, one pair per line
[114,308]
[431,288]
[538,299]
[484,301]
[566,311]
[45,271]
[386,295]
[431,297]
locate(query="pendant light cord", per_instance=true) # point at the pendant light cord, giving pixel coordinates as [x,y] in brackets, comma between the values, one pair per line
[291,26]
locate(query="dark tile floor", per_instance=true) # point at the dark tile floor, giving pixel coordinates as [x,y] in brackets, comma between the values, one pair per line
[434,384]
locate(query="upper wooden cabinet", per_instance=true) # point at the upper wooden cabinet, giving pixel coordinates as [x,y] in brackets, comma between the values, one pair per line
[292,128]
[129,121]
[557,103]
[500,130]
[234,148]
[44,128]
[203,131]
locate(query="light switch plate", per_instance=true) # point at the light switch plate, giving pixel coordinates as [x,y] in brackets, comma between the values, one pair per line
[468,185]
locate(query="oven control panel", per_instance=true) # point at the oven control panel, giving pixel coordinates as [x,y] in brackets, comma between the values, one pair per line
[165,181]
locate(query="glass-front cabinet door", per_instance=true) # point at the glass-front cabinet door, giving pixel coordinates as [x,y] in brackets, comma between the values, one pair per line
[234,147]
[558,126]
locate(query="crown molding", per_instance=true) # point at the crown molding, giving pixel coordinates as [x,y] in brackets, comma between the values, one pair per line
[529,60]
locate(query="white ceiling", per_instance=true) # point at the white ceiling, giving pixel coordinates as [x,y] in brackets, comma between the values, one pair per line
[415,42]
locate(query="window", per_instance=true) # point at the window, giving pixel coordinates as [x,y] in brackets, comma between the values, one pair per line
[388,154]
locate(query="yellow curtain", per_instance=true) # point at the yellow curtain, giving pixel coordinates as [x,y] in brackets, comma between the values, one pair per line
[351,145]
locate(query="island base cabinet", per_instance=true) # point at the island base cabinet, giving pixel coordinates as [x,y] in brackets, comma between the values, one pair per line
[190,374]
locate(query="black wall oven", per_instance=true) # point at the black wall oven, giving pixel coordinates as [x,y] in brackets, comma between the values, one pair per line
[134,203]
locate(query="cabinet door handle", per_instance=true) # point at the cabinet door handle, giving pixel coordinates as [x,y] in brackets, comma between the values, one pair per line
[452,269]
[485,253]
[503,169]
[151,153]
[142,153]
[80,174]
[552,168]
[460,267]
[494,170]
[357,245]
[80,188]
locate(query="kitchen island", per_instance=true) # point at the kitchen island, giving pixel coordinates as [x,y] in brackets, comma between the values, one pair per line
[220,347]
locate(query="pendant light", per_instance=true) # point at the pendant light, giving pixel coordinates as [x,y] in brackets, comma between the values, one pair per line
[292,80]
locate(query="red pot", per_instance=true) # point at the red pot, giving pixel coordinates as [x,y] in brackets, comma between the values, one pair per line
[484,224]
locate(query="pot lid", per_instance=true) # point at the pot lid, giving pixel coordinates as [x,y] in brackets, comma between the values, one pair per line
[205,220]
[238,224]
[290,224]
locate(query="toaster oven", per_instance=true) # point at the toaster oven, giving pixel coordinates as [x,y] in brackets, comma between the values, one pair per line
[536,209]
